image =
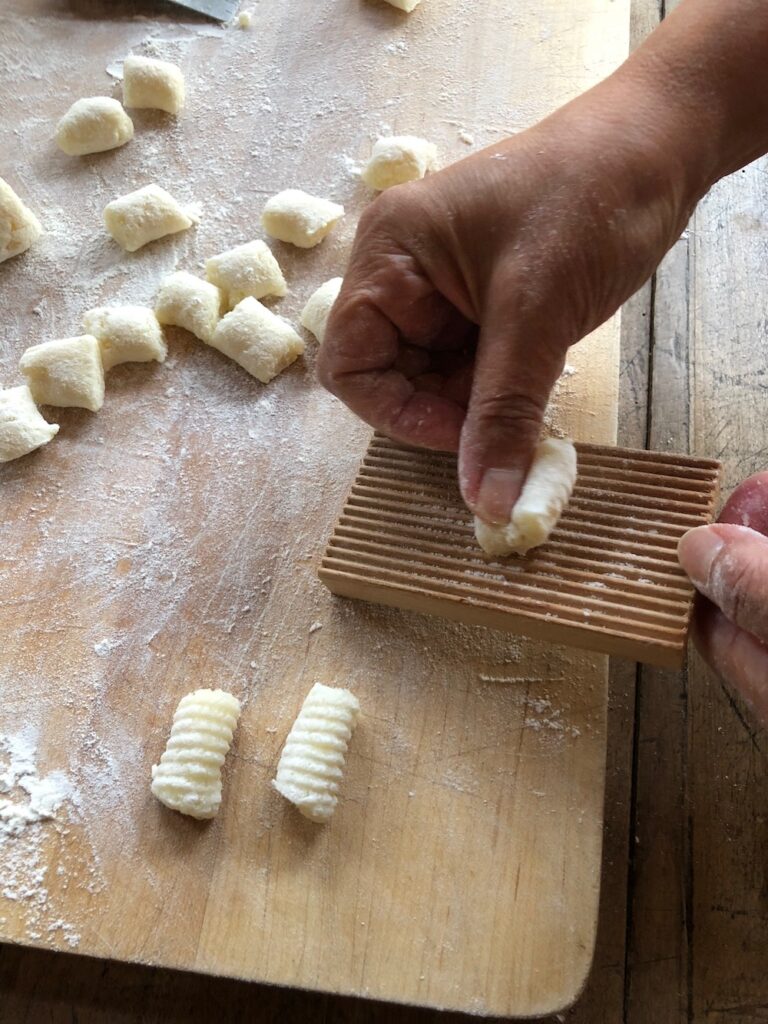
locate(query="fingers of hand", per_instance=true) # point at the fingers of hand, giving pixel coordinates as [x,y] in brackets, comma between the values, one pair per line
[748,505]
[729,565]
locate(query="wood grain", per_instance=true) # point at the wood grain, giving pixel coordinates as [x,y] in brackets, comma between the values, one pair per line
[171,542]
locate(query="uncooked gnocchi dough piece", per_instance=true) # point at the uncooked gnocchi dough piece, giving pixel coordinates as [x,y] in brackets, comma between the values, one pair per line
[148,82]
[143,216]
[189,302]
[261,342]
[19,227]
[311,765]
[93,125]
[188,778]
[22,428]
[315,314]
[126,334]
[66,372]
[299,218]
[248,269]
[545,494]
[398,159]
[405,5]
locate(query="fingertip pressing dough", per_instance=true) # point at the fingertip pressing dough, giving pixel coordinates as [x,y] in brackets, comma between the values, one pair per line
[188,778]
[143,216]
[545,494]
[398,159]
[19,227]
[311,764]
[148,82]
[315,314]
[93,125]
[66,372]
[299,218]
[189,302]
[261,342]
[22,428]
[248,269]
[405,5]
[126,334]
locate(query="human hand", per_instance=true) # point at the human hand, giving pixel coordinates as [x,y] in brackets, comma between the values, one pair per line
[728,564]
[465,290]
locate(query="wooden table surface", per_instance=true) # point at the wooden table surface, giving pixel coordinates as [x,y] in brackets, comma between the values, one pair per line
[683,933]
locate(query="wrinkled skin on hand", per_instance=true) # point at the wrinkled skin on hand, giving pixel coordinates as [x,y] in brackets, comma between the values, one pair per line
[728,564]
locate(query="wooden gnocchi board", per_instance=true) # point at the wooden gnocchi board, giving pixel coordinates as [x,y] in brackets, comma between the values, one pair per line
[172,541]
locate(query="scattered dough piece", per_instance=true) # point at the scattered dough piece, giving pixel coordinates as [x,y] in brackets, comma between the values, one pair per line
[398,159]
[19,227]
[315,314]
[311,765]
[187,301]
[545,494]
[188,778]
[126,334]
[22,428]
[248,269]
[261,342]
[142,216]
[299,218]
[66,372]
[244,19]
[405,5]
[93,125]
[148,82]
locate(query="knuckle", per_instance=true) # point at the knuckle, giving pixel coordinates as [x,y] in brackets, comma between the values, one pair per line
[508,411]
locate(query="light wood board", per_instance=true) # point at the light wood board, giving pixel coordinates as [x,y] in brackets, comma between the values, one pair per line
[172,541]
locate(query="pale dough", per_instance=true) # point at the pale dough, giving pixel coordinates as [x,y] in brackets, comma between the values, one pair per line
[148,82]
[126,334]
[188,778]
[405,5]
[66,372]
[545,494]
[93,125]
[261,342]
[189,302]
[19,227]
[248,269]
[299,218]
[311,765]
[143,216]
[398,159]
[315,314]
[22,428]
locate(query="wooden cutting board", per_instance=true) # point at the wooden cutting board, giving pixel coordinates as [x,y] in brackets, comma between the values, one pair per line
[172,541]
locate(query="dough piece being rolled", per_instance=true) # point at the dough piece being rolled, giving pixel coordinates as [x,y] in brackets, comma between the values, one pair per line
[248,269]
[148,82]
[261,342]
[299,218]
[19,227]
[315,314]
[546,492]
[126,334]
[188,778]
[405,5]
[311,765]
[93,125]
[22,428]
[189,302]
[398,159]
[143,216]
[66,372]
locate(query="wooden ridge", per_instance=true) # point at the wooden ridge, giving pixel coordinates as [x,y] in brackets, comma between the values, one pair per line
[607,580]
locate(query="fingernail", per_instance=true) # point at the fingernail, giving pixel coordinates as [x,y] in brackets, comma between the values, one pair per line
[697,550]
[498,492]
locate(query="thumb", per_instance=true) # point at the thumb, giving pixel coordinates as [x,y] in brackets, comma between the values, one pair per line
[729,565]
[520,355]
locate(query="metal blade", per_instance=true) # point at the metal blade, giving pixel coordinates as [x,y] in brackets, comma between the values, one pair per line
[221,10]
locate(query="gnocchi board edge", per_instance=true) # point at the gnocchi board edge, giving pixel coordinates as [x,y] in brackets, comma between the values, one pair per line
[608,580]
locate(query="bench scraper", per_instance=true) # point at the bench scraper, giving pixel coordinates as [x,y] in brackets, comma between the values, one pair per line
[221,10]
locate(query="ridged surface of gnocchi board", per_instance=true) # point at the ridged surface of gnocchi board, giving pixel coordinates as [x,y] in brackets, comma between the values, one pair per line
[607,580]
[171,541]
